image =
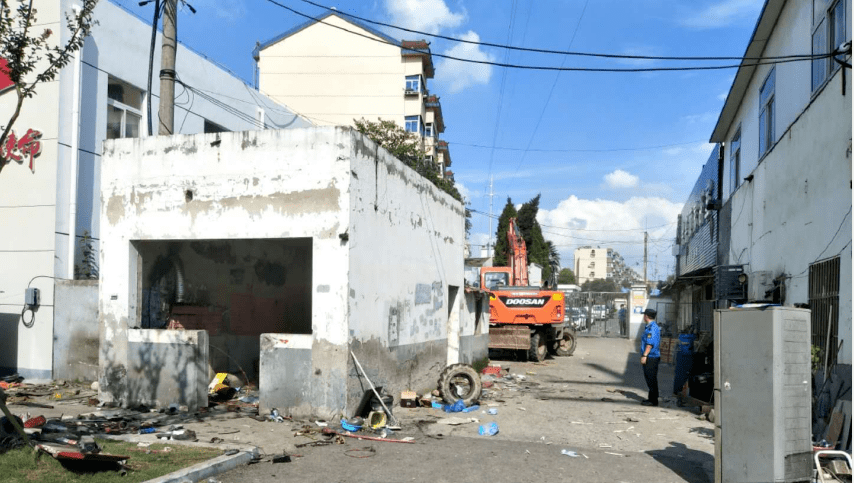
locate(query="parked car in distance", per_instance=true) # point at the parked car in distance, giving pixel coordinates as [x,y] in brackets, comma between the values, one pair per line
[600,312]
[579,317]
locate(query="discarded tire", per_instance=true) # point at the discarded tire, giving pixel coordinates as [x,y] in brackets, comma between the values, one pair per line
[538,350]
[460,381]
[565,346]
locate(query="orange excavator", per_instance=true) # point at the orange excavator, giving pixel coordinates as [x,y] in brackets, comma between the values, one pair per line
[524,317]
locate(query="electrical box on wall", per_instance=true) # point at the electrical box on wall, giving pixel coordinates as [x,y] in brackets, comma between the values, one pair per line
[32,297]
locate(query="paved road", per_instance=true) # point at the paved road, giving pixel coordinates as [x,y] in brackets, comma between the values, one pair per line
[588,403]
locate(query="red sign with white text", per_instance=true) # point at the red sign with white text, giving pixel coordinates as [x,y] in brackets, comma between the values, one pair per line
[5,80]
[15,149]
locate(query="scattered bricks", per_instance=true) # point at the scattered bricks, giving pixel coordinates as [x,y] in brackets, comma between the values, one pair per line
[492,369]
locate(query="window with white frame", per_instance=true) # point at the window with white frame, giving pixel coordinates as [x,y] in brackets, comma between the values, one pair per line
[735,161]
[828,34]
[766,114]
[428,129]
[124,109]
[413,83]
[413,124]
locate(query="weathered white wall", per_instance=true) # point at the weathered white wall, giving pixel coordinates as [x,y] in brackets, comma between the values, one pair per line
[262,184]
[27,215]
[34,206]
[406,240]
[796,210]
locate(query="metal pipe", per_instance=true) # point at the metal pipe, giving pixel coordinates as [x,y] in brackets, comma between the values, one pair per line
[373,388]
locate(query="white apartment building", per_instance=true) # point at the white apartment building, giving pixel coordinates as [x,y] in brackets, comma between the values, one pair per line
[49,201]
[786,131]
[334,69]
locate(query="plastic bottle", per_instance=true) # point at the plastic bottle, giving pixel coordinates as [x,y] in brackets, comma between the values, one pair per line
[493,411]
[490,429]
[147,430]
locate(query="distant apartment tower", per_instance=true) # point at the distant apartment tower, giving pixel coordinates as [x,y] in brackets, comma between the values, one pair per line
[334,69]
[601,264]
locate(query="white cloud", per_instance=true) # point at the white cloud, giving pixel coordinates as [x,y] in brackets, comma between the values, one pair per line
[612,224]
[690,150]
[464,191]
[707,116]
[425,15]
[621,179]
[722,13]
[641,50]
[723,95]
[457,75]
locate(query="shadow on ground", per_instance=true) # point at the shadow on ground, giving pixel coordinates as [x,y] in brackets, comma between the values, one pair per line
[687,463]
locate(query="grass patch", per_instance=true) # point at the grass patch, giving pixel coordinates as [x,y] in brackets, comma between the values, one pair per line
[480,364]
[23,466]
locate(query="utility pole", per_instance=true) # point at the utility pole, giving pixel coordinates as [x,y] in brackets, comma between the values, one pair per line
[645,239]
[489,240]
[166,115]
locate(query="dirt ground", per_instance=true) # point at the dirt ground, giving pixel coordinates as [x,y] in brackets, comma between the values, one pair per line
[588,404]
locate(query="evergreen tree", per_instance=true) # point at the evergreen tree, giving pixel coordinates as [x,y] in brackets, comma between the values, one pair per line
[538,251]
[502,247]
[566,276]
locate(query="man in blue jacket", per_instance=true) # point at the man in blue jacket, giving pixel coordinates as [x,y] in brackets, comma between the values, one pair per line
[650,355]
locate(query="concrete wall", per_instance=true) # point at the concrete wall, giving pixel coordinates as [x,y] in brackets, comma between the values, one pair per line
[27,215]
[386,252]
[38,210]
[406,242]
[796,210]
[75,344]
[166,367]
[474,329]
[249,185]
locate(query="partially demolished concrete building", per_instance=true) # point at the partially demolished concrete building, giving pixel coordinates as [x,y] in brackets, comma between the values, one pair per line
[274,254]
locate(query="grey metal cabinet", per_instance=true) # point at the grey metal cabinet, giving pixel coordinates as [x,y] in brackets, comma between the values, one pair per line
[762,395]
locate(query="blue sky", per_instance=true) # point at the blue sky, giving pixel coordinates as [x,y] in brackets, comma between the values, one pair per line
[610,153]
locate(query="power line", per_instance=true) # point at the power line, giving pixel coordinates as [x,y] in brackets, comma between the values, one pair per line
[501,92]
[551,92]
[556,52]
[641,148]
[581,69]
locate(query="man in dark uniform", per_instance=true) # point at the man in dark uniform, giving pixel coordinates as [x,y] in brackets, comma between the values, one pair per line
[650,355]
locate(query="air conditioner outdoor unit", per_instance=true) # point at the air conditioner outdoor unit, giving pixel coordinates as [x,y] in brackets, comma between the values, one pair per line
[758,284]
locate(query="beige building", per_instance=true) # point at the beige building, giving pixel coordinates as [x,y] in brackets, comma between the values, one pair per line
[333,70]
[601,264]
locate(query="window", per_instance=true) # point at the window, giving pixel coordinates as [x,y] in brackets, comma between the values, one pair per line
[828,34]
[413,84]
[735,161]
[824,305]
[124,109]
[212,127]
[413,124]
[766,115]
[492,280]
[428,129]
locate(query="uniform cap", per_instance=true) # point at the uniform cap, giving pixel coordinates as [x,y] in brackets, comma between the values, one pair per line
[651,313]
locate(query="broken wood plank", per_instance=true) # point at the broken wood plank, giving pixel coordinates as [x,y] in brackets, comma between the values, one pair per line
[367,438]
